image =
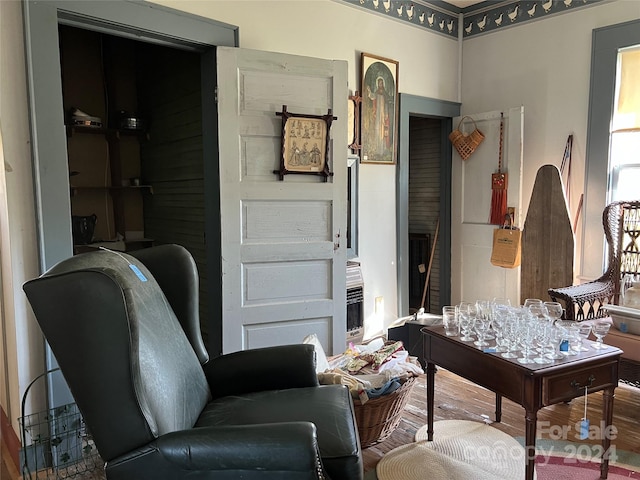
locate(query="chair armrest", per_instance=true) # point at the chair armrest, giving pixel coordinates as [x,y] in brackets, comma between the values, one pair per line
[276,446]
[584,301]
[270,368]
[270,451]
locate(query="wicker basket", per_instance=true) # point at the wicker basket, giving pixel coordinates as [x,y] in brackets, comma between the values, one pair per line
[379,417]
[466,144]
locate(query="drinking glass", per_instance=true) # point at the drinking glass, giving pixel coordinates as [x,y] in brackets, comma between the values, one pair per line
[498,319]
[542,337]
[532,301]
[584,329]
[538,315]
[539,311]
[481,326]
[510,332]
[526,334]
[485,311]
[555,338]
[466,321]
[451,320]
[501,301]
[600,329]
[554,310]
[569,335]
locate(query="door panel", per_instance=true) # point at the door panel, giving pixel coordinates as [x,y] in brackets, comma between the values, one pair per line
[283,255]
[473,277]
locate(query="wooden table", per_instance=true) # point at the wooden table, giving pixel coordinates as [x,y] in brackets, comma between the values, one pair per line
[533,386]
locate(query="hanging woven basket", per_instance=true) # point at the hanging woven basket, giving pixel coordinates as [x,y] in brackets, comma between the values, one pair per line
[465,145]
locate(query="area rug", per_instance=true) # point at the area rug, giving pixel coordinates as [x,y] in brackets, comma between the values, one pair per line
[461,450]
[565,460]
[472,450]
[567,468]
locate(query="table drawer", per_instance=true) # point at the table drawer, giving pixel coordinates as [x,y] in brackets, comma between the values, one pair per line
[568,385]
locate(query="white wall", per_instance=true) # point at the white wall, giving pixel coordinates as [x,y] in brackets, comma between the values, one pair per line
[19,257]
[428,67]
[545,66]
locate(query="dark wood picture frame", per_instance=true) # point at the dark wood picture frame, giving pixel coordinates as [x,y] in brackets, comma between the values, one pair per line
[305,144]
[353,131]
[379,110]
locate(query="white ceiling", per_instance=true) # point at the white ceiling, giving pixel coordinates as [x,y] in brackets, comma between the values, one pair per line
[463,3]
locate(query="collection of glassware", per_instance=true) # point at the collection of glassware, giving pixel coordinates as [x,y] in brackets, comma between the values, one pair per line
[532,333]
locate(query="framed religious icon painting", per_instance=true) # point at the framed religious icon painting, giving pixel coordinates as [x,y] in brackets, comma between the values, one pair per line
[379,110]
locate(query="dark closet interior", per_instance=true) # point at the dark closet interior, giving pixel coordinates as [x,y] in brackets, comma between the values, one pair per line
[425,155]
[142,179]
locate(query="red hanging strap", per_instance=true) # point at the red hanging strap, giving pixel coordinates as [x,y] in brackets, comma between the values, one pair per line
[499,186]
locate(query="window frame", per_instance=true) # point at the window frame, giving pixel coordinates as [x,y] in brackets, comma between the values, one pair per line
[606,43]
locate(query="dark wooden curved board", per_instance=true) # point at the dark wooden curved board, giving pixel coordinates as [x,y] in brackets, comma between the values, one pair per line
[547,238]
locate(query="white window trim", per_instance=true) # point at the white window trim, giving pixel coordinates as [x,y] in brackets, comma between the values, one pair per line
[604,56]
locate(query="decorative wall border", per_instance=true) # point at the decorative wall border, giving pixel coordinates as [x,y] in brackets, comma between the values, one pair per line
[418,13]
[442,18]
[516,12]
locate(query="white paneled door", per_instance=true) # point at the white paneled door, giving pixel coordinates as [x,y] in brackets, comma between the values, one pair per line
[473,277]
[283,241]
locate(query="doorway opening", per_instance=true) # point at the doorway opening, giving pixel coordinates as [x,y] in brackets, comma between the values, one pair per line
[425,154]
[141,183]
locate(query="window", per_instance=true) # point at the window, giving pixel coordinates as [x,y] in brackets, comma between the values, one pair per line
[607,43]
[624,162]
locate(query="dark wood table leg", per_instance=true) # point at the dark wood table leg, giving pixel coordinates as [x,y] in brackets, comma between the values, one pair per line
[607,415]
[530,444]
[431,370]
[498,407]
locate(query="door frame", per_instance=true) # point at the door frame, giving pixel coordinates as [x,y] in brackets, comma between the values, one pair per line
[134,20]
[411,105]
[130,19]
[415,106]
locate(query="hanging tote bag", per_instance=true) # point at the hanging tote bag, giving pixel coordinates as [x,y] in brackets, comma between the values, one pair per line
[465,145]
[507,247]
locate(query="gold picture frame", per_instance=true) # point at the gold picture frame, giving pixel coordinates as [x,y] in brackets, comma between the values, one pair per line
[379,110]
[305,144]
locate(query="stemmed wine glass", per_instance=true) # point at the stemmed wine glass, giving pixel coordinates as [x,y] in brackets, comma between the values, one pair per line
[584,329]
[531,301]
[543,338]
[526,335]
[600,329]
[510,332]
[555,339]
[554,311]
[481,326]
[505,302]
[485,312]
[498,319]
[570,336]
[467,319]
[539,312]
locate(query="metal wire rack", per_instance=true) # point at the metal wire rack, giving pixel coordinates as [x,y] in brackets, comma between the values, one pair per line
[56,443]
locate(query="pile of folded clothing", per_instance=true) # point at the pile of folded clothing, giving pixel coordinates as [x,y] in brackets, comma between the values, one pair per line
[370,371]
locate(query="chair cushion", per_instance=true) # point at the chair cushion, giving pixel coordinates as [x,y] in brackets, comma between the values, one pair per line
[329,407]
